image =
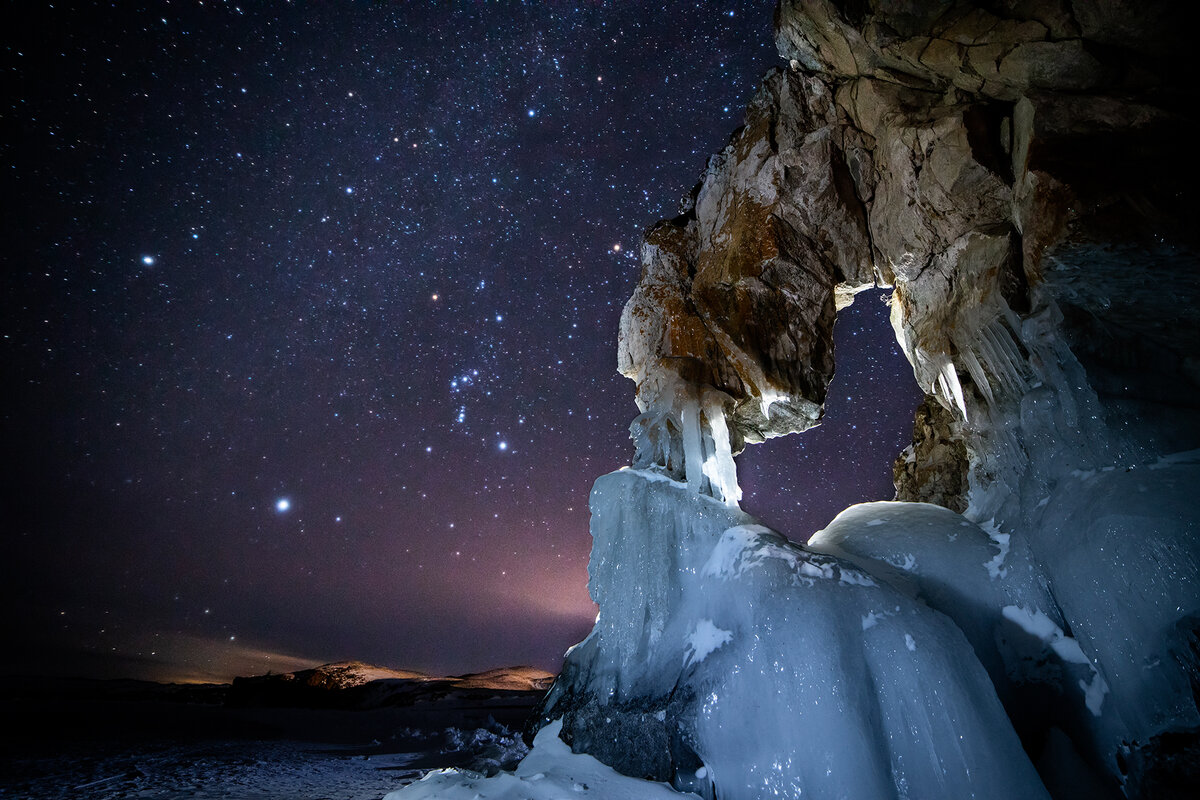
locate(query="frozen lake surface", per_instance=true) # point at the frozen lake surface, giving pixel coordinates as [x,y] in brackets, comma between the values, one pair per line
[110,740]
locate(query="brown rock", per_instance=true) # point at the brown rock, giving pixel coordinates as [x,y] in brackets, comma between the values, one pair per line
[933,469]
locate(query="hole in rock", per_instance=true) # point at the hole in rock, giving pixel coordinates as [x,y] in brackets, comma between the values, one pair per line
[797,484]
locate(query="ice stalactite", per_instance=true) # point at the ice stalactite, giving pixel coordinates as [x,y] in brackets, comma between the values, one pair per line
[688,420]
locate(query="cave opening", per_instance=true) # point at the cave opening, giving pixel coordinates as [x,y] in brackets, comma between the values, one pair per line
[798,483]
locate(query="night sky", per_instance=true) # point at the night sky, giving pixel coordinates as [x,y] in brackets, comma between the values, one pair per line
[309,324]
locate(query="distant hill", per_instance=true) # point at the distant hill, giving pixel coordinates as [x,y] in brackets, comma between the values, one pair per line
[355,685]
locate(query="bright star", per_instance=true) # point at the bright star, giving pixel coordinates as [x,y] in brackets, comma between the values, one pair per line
[282,504]
[148,260]
[503,445]
[349,190]
[531,113]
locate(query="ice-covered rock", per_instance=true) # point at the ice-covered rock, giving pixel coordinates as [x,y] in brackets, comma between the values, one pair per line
[736,664]
[968,572]
[1086,622]
[1121,547]
[550,772]
[1017,172]
[996,592]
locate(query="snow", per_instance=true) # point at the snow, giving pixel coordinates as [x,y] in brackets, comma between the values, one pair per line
[203,771]
[723,561]
[172,750]
[550,772]
[1038,625]
[995,566]
[704,639]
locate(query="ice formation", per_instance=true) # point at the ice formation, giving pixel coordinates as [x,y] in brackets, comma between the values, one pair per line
[723,649]
[550,772]
[993,165]
[1085,619]
[683,433]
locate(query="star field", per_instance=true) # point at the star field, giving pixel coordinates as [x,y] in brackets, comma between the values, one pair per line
[310,315]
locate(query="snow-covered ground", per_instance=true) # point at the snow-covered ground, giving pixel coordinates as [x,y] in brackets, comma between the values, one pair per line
[550,772]
[104,740]
[206,771]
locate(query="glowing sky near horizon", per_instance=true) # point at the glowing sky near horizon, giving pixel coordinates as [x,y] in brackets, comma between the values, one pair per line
[310,324]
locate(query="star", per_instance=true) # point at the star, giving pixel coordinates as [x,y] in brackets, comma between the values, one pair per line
[326,355]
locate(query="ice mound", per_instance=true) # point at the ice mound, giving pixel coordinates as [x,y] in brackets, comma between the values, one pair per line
[1121,546]
[736,664]
[986,581]
[1086,621]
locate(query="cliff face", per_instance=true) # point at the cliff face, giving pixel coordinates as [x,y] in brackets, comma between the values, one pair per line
[1017,171]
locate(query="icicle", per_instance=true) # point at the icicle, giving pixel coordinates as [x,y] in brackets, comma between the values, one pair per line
[1006,347]
[693,442]
[993,362]
[1000,361]
[720,466]
[948,378]
[978,375]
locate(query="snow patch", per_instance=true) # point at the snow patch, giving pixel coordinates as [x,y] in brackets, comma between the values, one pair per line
[723,561]
[704,639]
[874,618]
[549,771]
[1037,624]
[995,567]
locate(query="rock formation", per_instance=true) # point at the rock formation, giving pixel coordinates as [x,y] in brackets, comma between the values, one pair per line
[1017,173]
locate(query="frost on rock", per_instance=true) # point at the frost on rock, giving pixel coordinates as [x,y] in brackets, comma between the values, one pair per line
[736,664]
